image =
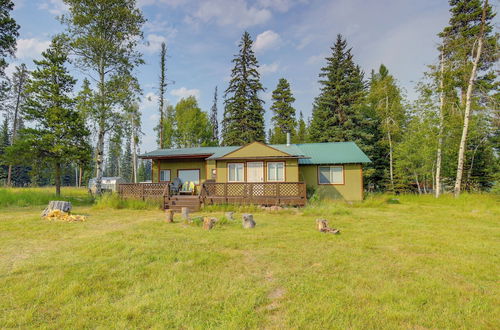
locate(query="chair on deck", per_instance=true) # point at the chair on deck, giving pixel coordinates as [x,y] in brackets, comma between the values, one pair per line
[187,188]
[175,186]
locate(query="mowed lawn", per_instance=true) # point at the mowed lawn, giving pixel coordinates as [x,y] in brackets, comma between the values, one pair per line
[418,264]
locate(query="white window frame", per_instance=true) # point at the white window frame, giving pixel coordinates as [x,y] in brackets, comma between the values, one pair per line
[276,172]
[229,169]
[169,175]
[330,167]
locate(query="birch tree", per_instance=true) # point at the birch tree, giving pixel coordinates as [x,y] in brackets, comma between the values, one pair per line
[103,36]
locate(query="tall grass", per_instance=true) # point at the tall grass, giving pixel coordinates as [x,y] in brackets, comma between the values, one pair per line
[22,197]
[113,201]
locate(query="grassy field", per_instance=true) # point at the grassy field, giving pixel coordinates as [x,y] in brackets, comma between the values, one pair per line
[418,264]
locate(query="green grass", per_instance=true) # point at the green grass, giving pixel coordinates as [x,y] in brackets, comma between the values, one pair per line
[23,197]
[421,263]
[115,202]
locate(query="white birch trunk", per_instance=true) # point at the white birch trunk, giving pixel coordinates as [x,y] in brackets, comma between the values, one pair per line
[437,189]
[468,102]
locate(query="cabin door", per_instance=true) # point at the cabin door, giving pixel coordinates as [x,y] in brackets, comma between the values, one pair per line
[255,173]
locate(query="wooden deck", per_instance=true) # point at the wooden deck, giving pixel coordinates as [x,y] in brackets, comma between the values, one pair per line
[266,193]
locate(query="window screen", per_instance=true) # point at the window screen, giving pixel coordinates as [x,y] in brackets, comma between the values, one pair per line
[235,172]
[189,175]
[331,175]
[165,175]
[276,171]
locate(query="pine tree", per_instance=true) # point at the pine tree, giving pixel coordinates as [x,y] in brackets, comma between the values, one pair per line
[113,161]
[4,143]
[161,93]
[243,109]
[283,119]
[8,33]
[18,90]
[301,136]
[126,162]
[337,112]
[213,120]
[169,127]
[57,134]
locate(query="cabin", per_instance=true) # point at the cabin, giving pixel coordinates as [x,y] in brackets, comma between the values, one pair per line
[256,173]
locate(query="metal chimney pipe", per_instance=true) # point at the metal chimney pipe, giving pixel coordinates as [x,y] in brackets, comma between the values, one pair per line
[287,139]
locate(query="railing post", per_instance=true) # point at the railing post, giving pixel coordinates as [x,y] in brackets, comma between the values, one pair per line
[142,191]
[225,192]
[278,193]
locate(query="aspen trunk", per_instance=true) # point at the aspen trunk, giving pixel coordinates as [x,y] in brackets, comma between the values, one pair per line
[468,101]
[418,184]
[437,190]
[134,155]
[101,131]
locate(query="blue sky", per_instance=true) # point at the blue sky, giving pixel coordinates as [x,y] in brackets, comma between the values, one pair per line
[292,37]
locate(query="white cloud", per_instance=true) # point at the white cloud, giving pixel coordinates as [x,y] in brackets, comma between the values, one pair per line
[153,43]
[55,7]
[315,59]
[267,40]
[173,3]
[279,5]
[269,68]
[184,92]
[31,48]
[231,12]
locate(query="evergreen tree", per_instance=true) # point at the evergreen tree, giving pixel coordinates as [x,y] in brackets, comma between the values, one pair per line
[141,172]
[243,109]
[126,172]
[113,161]
[213,120]
[283,119]
[337,112]
[161,93]
[18,96]
[9,32]
[58,134]
[4,143]
[301,136]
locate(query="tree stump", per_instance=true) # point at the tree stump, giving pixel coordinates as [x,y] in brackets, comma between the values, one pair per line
[229,215]
[322,226]
[57,205]
[209,223]
[185,213]
[169,216]
[248,221]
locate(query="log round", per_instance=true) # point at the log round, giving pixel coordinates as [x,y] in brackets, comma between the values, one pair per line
[169,216]
[209,223]
[185,213]
[57,205]
[229,215]
[248,221]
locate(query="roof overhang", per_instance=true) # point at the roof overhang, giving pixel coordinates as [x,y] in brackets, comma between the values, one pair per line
[204,156]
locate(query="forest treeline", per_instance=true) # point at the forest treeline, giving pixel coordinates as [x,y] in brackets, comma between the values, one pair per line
[52,132]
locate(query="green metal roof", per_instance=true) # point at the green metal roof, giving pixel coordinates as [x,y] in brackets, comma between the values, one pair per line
[332,153]
[309,153]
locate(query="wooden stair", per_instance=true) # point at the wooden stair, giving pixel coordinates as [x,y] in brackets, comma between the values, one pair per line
[177,202]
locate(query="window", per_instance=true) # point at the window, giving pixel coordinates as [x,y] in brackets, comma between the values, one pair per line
[276,171]
[331,174]
[189,175]
[235,172]
[165,175]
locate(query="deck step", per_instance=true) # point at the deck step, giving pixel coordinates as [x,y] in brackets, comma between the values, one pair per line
[176,203]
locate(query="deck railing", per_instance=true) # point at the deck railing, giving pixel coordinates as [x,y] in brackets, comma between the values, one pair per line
[266,193]
[144,191]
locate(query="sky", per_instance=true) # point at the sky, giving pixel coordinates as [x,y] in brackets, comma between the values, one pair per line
[291,40]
